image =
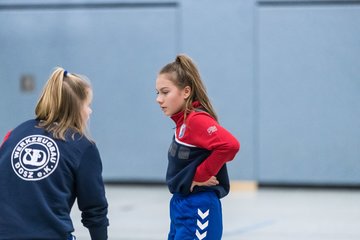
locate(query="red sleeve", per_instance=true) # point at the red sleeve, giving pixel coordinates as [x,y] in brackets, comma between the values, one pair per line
[207,133]
[6,137]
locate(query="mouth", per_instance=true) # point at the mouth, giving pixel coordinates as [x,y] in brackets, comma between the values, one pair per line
[163,108]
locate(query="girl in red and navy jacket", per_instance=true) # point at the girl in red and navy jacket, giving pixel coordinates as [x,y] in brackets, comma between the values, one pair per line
[49,162]
[196,175]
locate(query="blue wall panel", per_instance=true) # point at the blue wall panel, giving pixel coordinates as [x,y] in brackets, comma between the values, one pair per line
[309,102]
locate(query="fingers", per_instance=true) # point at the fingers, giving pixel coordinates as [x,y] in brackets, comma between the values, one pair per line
[192,186]
[213,181]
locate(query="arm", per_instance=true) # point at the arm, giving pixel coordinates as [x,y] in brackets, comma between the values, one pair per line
[207,133]
[91,194]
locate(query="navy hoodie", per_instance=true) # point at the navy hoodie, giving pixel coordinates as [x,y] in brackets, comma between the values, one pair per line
[40,179]
[199,150]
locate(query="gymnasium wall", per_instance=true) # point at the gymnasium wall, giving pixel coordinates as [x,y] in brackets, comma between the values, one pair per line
[282,75]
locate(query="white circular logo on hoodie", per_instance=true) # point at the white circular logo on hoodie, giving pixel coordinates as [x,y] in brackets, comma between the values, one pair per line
[35,157]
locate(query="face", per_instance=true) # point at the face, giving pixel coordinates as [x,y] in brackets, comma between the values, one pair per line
[170,98]
[86,111]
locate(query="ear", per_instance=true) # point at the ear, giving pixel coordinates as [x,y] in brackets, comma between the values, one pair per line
[187,91]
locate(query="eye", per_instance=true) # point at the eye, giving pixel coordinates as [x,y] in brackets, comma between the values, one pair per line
[162,91]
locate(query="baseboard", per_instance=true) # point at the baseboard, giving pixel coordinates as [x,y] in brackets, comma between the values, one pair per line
[243,186]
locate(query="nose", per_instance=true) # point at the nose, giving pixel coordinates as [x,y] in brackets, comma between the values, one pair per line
[159,99]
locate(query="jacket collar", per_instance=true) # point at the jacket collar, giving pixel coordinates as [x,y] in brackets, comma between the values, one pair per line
[178,118]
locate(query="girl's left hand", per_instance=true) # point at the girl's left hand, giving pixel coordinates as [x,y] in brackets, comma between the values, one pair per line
[212,181]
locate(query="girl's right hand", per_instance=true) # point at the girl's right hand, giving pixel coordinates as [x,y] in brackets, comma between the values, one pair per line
[212,181]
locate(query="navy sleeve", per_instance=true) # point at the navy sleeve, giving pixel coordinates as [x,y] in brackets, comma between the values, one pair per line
[91,194]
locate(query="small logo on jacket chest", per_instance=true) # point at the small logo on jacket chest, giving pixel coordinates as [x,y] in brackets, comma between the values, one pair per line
[182,131]
[35,157]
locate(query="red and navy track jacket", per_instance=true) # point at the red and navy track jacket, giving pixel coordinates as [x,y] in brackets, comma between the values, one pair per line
[40,179]
[199,150]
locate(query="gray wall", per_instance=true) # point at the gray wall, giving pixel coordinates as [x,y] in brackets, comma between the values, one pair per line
[283,76]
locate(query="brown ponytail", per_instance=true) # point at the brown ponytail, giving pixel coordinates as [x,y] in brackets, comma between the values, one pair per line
[183,72]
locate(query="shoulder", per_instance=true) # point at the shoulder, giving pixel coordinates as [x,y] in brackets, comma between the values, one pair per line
[28,124]
[198,126]
[200,117]
[79,148]
[200,120]
[80,141]
[24,129]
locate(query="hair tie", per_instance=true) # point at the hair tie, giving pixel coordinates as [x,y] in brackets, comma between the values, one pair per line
[65,73]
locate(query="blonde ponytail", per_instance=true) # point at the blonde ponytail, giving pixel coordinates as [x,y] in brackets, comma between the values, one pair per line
[49,102]
[60,105]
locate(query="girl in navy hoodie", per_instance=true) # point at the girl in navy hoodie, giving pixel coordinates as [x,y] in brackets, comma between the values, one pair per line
[196,175]
[48,162]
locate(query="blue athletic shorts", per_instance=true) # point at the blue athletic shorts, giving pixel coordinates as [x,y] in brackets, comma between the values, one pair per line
[197,216]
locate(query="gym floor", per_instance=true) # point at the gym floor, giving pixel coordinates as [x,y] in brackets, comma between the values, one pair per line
[141,213]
